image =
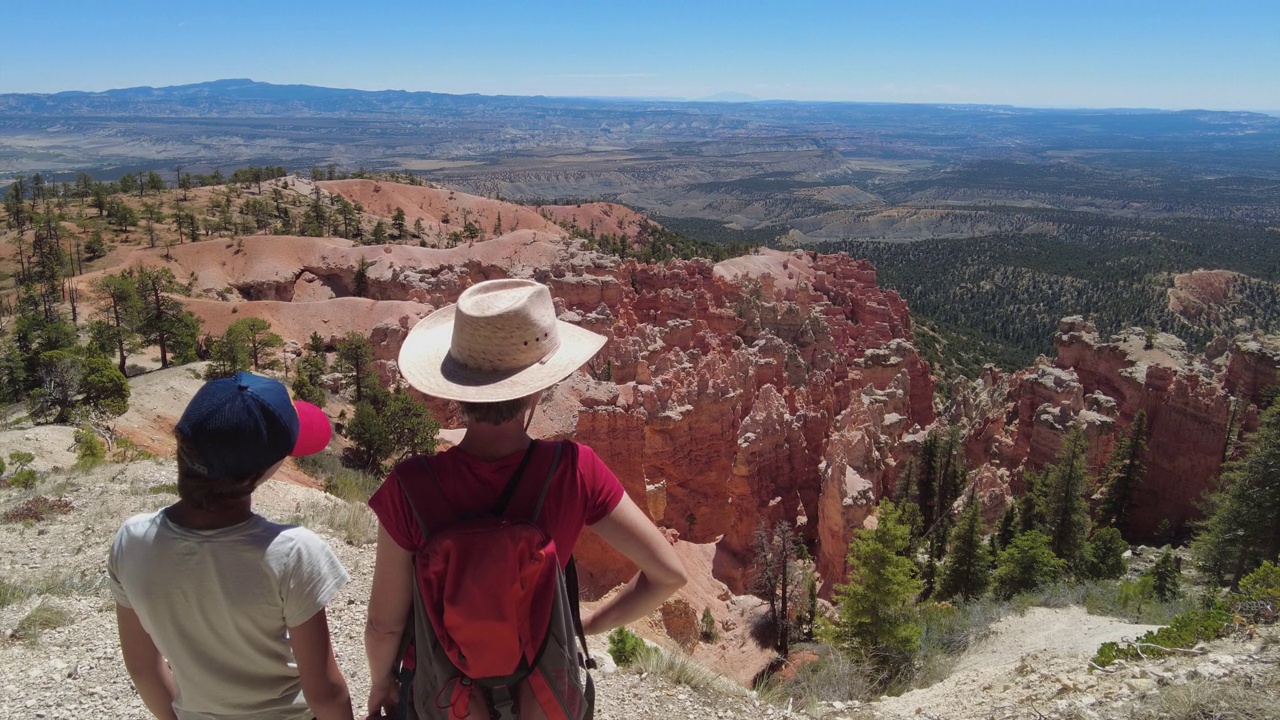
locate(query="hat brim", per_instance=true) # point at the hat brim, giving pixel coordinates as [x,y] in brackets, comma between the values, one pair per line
[314,430]
[426,365]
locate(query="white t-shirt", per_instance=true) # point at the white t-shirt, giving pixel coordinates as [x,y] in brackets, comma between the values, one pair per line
[218,604]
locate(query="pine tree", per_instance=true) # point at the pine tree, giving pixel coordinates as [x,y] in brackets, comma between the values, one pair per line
[951,481]
[1241,530]
[1104,555]
[355,361]
[927,480]
[120,316]
[308,378]
[1007,528]
[398,223]
[262,342]
[707,626]
[1123,476]
[967,571]
[776,575]
[1028,507]
[388,425]
[1026,564]
[165,322]
[876,612]
[1166,578]
[229,354]
[1061,501]
[360,280]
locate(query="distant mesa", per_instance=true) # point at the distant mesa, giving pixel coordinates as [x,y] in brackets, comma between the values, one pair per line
[729,97]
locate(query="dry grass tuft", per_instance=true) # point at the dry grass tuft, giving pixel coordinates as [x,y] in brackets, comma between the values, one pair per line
[681,669]
[353,521]
[45,616]
[1214,700]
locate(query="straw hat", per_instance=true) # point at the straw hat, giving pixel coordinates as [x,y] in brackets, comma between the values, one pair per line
[501,341]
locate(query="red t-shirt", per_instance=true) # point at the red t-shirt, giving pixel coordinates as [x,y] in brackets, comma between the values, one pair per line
[583,491]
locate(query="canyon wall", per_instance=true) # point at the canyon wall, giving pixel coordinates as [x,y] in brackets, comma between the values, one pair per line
[774,386]
[771,387]
[1198,408]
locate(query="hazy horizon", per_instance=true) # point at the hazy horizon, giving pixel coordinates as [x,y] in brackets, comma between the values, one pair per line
[1173,55]
[718,97]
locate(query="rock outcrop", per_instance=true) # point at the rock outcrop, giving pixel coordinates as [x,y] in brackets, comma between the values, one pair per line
[1197,407]
[766,388]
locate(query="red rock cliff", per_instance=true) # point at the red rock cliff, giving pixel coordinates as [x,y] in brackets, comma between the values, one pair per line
[1196,411]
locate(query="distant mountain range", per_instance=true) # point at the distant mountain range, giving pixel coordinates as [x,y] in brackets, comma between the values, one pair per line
[242,97]
[814,166]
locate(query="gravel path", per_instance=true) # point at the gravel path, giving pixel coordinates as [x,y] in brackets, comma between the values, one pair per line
[75,671]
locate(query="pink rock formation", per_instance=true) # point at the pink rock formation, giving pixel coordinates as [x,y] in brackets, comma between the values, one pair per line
[766,388]
[1196,412]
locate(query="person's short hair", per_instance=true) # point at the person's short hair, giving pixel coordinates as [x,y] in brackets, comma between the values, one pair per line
[495,413]
[205,492]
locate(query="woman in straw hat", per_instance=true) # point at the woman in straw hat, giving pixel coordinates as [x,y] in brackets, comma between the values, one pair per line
[493,353]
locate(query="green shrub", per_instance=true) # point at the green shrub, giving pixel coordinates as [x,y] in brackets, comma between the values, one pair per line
[90,450]
[127,451]
[834,676]
[1166,578]
[707,626]
[679,669]
[1027,564]
[339,480]
[625,647]
[1184,631]
[21,459]
[25,479]
[948,631]
[1262,584]
[1104,555]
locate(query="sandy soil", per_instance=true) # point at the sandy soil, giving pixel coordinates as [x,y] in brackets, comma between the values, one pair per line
[1044,643]
[433,205]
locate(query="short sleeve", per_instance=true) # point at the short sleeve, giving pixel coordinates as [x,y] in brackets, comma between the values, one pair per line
[113,570]
[311,578]
[603,489]
[393,511]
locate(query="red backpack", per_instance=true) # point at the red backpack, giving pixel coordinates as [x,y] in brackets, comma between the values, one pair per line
[494,612]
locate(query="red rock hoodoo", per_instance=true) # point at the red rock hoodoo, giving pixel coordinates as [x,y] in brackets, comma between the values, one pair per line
[1197,407]
[768,387]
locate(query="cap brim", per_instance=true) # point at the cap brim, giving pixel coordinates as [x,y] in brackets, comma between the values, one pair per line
[427,366]
[314,430]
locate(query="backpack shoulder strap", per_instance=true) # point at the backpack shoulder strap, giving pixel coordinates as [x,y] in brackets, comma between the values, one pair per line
[510,490]
[571,585]
[546,485]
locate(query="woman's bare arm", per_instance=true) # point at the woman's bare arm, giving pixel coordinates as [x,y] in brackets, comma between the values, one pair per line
[146,666]
[389,603]
[634,535]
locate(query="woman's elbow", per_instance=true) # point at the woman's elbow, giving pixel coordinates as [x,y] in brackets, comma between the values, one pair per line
[672,577]
[680,577]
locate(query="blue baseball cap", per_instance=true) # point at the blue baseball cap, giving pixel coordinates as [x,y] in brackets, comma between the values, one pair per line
[237,427]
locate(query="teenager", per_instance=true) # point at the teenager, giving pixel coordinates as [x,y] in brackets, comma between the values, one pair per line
[221,612]
[494,352]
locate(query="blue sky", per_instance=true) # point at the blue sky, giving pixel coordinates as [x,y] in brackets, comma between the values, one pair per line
[1077,53]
